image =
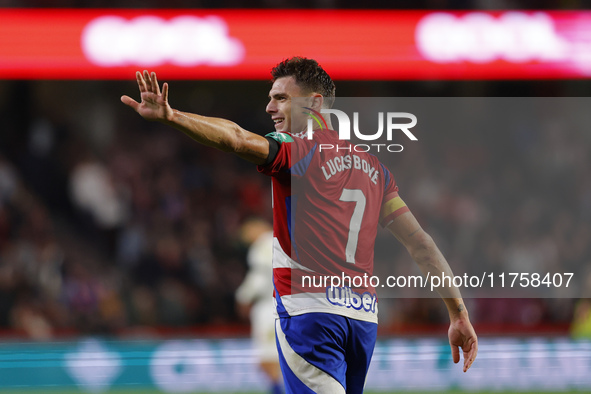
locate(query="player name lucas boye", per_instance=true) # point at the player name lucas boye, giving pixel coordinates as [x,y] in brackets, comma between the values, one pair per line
[346,162]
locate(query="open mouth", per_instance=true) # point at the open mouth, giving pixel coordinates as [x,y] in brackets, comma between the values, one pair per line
[279,122]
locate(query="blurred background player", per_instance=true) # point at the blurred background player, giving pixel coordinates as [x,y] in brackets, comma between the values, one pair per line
[254,297]
[581,324]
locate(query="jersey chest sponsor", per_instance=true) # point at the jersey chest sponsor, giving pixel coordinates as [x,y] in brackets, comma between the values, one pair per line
[348,298]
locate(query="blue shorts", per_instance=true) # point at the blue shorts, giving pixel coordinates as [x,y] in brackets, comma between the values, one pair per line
[324,353]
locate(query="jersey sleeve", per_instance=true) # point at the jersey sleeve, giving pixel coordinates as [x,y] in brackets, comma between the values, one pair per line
[293,156]
[392,205]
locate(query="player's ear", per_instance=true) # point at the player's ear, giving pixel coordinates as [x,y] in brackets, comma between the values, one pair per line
[317,101]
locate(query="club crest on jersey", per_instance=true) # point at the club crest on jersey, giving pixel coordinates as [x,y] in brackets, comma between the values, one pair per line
[346,297]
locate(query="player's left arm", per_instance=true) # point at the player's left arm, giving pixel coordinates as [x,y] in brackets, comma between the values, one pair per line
[218,133]
[429,258]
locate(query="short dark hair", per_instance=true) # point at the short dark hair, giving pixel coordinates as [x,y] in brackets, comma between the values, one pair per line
[308,75]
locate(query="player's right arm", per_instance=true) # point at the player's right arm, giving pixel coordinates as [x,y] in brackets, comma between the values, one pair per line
[218,133]
[429,258]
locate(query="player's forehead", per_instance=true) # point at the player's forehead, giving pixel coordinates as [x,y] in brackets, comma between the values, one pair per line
[286,86]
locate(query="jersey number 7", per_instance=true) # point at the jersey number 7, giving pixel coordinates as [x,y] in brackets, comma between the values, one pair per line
[356,196]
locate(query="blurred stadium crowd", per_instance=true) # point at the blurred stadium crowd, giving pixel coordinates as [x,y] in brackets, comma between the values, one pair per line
[510,196]
[132,225]
[111,223]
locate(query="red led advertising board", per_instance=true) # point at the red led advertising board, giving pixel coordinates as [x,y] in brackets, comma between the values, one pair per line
[245,44]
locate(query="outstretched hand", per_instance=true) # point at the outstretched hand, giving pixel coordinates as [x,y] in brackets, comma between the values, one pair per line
[462,335]
[154,103]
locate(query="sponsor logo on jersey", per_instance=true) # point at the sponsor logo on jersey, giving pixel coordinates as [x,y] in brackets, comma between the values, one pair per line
[346,297]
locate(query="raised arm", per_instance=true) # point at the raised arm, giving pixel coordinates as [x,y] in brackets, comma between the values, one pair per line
[218,133]
[426,254]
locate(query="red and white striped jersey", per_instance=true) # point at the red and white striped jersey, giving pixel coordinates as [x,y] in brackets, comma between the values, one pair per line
[327,202]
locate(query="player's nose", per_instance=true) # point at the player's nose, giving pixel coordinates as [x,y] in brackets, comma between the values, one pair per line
[271,107]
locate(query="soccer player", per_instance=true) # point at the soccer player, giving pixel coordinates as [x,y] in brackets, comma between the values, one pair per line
[326,208]
[254,297]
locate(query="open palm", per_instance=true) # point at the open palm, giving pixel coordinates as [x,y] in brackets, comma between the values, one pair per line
[462,336]
[154,104]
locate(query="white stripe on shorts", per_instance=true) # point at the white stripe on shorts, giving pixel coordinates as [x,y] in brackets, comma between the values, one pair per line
[316,379]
